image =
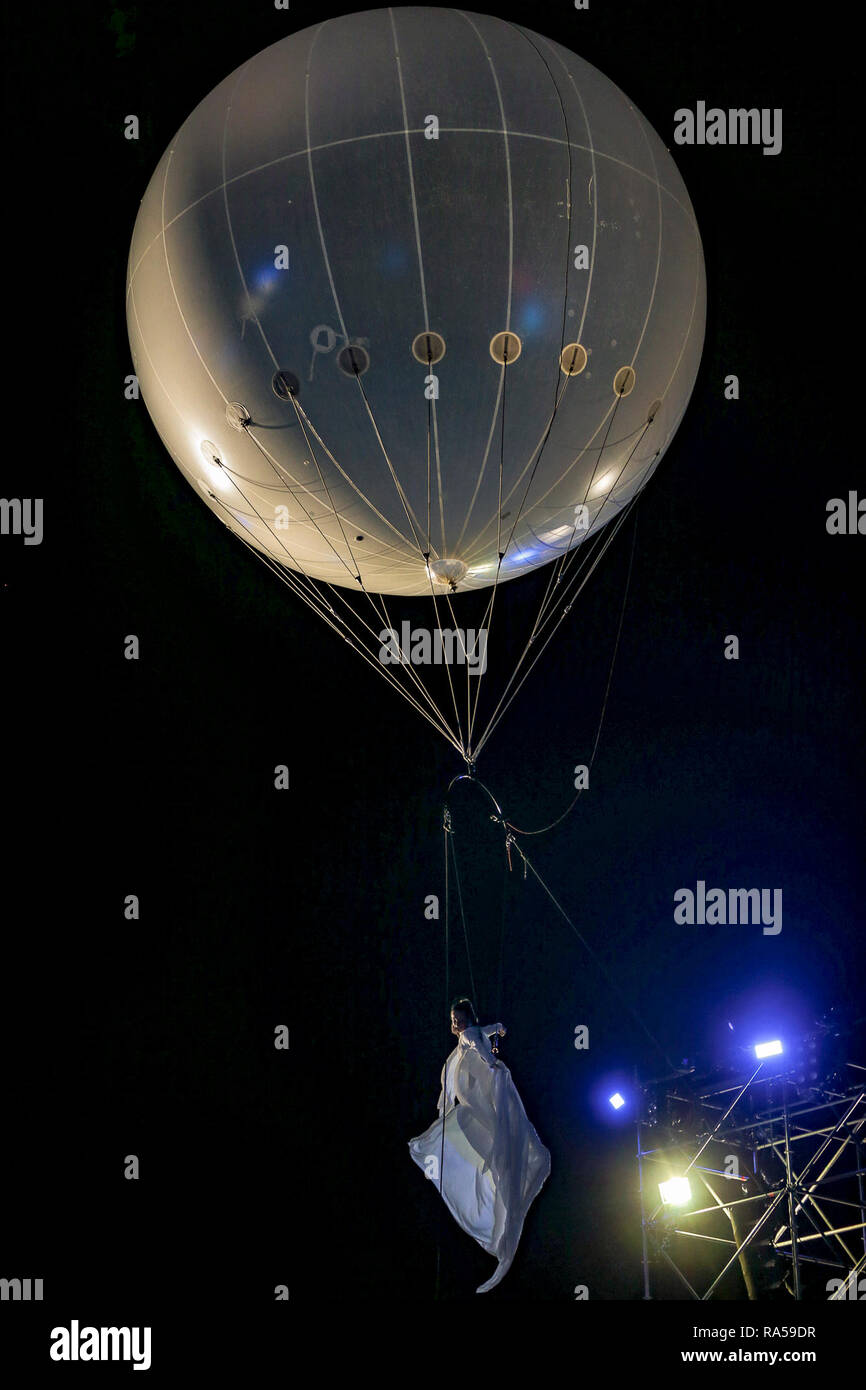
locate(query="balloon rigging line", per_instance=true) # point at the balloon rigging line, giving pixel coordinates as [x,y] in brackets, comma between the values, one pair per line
[445,824]
[420,683]
[501,461]
[299,411]
[558,396]
[481,471]
[506,700]
[337,516]
[557,569]
[429,413]
[311,595]
[225,472]
[383,617]
[428,549]
[499,979]
[442,725]
[550,582]
[485,625]
[262,450]
[472,551]
[471,713]
[461,635]
[400,493]
[433,595]
[427,562]
[332,618]
[439,488]
[610,980]
[449,837]
[487,621]
[477,782]
[557,402]
[456,741]
[292,579]
[512,843]
[569,808]
[589,561]
[567,559]
[311,598]
[438,721]
[584,552]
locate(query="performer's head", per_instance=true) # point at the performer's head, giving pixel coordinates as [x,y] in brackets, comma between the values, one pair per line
[462,1014]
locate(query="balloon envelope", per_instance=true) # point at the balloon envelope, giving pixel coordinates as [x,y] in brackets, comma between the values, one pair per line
[407,289]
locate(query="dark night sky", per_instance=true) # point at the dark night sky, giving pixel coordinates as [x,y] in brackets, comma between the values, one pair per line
[306,908]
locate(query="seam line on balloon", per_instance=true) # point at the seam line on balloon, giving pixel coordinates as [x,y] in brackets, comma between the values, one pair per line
[409,516]
[386,134]
[486,455]
[424,305]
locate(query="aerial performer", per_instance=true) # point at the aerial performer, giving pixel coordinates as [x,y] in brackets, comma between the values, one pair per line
[482,1153]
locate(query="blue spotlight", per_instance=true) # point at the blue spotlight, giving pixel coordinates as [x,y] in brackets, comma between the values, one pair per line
[768,1049]
[616,1100]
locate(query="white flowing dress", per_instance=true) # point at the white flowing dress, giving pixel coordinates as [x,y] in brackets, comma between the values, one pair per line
[493,1164]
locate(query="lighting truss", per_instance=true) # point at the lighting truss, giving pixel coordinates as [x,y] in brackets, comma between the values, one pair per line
[779,1152]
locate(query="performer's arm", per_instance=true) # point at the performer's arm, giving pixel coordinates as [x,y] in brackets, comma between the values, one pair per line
[493,1028]
[478,1038]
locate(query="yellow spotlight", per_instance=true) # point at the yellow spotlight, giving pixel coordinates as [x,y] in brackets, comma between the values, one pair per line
[675,1192]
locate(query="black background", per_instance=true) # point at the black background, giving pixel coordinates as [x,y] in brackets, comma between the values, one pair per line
[305,908]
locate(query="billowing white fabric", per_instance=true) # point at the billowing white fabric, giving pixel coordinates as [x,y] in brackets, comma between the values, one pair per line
[492,1164]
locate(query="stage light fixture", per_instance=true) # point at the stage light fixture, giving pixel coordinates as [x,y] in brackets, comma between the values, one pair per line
[676,1192]
[768,1049]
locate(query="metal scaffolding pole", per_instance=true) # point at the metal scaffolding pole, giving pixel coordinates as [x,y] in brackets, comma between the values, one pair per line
[683,1119]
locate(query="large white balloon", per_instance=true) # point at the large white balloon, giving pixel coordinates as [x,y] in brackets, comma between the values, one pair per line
[421,177]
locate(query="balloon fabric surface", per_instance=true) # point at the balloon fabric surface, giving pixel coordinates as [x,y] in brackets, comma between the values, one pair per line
[429,172]
[416,302]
